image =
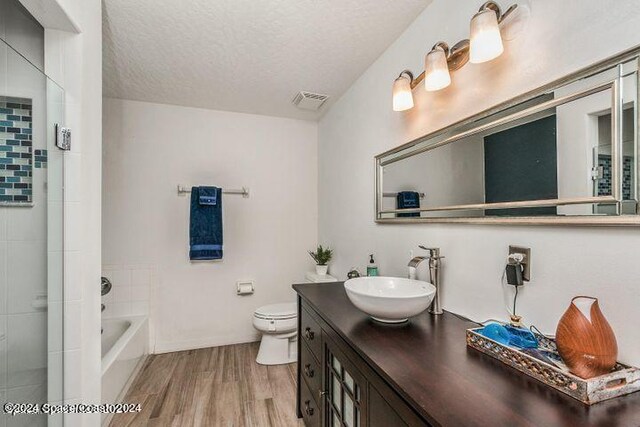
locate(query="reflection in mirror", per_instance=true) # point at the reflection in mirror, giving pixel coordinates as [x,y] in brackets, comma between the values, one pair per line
[571,151]
[603,154]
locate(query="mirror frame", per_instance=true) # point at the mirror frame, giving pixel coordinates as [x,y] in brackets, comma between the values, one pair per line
[611,63]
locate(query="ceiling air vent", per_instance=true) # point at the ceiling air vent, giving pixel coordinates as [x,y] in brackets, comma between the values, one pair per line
[309,100]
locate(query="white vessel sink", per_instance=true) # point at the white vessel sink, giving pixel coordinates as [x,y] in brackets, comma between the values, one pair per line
[390,299]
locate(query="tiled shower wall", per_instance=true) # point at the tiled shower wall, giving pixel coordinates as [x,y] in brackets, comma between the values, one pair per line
[75,62]
[27,338]
[24,340]
[131,292]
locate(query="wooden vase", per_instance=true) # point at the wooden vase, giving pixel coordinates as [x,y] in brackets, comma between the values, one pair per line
[585,339]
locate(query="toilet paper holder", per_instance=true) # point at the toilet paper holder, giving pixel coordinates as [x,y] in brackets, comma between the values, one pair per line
[245,287]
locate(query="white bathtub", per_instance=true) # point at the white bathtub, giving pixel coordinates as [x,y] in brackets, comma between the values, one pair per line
[125,344]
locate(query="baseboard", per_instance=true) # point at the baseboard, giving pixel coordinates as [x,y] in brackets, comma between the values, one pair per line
[170,347]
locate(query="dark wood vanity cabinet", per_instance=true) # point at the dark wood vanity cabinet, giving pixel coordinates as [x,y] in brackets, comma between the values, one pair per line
[336,387]
[355,372]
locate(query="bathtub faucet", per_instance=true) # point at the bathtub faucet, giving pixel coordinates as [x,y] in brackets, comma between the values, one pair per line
[105,286]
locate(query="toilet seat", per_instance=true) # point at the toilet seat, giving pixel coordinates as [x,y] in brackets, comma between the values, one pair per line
[275,326]
[282,311]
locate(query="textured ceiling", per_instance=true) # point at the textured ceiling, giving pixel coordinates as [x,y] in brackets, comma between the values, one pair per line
[246,56]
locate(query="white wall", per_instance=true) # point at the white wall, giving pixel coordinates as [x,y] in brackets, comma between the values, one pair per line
[561,37]
[149,149]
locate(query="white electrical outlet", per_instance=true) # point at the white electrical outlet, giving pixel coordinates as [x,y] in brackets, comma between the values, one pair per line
[526,260]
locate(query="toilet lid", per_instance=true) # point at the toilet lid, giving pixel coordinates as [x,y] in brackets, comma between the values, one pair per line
[287,310]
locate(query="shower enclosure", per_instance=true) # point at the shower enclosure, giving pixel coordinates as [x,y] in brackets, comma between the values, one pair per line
[31,235]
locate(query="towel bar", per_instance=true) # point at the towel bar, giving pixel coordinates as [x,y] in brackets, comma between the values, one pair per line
[183,189]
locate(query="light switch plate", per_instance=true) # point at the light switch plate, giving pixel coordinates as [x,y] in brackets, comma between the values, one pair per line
[526,262]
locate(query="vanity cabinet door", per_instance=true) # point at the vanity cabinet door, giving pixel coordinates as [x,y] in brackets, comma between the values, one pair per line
[386,409]
[381,414]
[345,389]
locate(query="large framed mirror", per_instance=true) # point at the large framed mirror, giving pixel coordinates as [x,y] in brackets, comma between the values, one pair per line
[564,153]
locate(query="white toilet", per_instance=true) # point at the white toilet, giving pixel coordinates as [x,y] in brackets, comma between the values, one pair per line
[279,326]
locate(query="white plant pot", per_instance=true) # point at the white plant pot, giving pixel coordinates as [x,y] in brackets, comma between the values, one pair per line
[321,270]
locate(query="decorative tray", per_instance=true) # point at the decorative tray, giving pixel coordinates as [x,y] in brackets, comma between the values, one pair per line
[622,380]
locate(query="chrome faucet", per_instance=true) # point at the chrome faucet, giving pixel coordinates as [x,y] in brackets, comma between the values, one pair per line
[105,286]
[434,274]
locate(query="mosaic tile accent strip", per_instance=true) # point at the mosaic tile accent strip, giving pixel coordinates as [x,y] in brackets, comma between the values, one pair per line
[627,178]
[604,184]
[40,159]
[16,144]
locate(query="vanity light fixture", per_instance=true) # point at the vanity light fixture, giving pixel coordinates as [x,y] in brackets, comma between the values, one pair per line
[436,69]
[485,44]
[485,39]
[402,96]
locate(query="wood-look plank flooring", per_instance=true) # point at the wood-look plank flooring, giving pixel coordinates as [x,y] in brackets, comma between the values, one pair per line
[219,386]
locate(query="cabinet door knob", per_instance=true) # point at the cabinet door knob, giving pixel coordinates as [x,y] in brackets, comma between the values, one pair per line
[309,334]
[307,408]
[308,371]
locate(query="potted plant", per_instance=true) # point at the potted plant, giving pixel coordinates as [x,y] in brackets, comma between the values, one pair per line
[321,256]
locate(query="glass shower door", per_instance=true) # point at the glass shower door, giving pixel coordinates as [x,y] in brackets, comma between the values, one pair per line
[31,239]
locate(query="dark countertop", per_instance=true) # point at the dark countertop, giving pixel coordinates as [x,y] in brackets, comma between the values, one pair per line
[429,364]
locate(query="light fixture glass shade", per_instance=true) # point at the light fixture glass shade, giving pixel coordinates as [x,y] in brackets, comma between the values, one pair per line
[436,70]
[485,39]
[402,96]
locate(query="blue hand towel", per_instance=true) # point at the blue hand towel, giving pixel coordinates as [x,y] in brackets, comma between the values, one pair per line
[208,195]
[408,200]
[205,227]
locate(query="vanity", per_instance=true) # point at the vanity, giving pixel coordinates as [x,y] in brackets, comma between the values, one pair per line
[353,371]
